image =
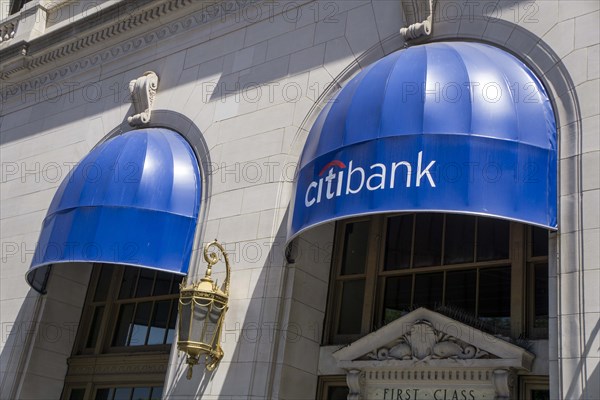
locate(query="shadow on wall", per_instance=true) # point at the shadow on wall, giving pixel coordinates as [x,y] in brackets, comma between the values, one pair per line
[17,340]
[585,380]
[41,339]
[251,337]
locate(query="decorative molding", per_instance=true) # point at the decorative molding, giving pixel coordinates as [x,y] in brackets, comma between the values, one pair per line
[423,341]
[418,15]
[354,380]
[8,30]
[143,92]
[425,338]
[504,382]
[39,56]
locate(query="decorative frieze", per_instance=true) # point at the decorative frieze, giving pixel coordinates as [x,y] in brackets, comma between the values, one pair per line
[41,57]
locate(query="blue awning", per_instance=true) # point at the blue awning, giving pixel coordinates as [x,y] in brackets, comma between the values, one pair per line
[449,127]
[133,200]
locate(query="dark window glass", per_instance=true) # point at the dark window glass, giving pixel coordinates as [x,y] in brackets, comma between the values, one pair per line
[105,394]
[128,283]
[103,282]
[353,293]
[162,285]
[95,327]
[140,324]
[77,394]
[158,326]
[492,239]
[461,289]
[355,248]
[141,393]
[337,393]
[459,239]
[539,242]
[123,325]
[396,302]
[428,290]
[538,394]
[145,281]
[122,394]
[156,393]
[541,296]
[398,242]
[172,320]
[428,240]
[494,296]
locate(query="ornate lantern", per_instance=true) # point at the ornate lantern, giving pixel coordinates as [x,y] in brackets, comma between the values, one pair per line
[202,308]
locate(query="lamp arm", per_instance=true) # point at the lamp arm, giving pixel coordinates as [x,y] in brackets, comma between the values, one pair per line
[212,258]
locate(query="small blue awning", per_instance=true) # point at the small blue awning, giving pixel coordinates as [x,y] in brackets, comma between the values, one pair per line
[449,127]
[132,200]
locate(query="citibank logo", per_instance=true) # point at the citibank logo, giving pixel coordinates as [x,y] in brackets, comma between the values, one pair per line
[344,180]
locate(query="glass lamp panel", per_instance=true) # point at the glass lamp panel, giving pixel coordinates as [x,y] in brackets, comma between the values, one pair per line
[185,320]
[200,325]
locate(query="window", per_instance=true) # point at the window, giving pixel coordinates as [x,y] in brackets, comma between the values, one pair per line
[144,303]
[386,266]
[534,388]
[17,5]
[332,388]
[129,318]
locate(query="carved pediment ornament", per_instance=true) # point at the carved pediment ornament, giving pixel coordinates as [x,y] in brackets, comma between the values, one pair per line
[143,93]
[424,342]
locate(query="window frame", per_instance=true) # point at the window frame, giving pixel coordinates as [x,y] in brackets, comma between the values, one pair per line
[528,383]
[519,261]
[328,381]
[146,365]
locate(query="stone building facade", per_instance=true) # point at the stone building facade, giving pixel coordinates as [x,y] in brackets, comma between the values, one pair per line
[244,82]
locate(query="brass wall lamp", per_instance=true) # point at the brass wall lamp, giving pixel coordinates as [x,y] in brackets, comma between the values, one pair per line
[202,308]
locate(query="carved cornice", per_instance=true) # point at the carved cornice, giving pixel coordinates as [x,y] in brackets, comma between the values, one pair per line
[39,54]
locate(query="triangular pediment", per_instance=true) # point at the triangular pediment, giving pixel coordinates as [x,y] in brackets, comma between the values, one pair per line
[427,338]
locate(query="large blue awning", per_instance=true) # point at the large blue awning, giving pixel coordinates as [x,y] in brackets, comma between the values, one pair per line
[133,200]
[449,127]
